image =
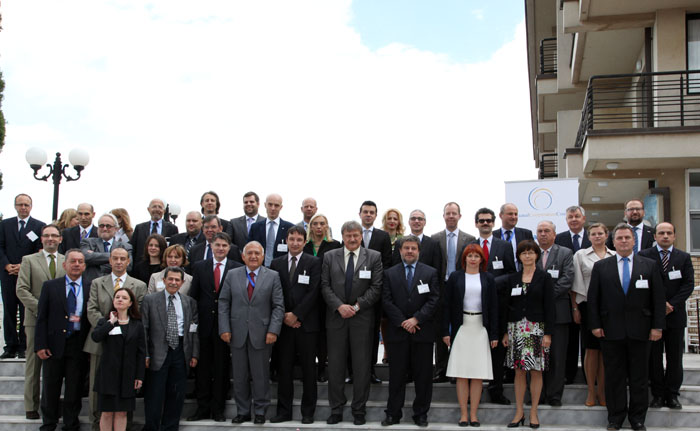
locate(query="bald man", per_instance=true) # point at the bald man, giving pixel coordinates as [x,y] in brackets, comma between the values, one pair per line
[156,209]
[85,229]
[271,232]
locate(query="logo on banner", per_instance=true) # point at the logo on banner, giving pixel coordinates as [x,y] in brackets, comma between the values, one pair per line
[540,198]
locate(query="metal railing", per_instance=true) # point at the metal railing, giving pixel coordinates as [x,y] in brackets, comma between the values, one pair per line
[641,102]
[548,55]
[692,340]
[548,165]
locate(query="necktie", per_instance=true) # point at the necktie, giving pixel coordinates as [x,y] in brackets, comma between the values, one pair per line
[171,335]
[349,273]
[270,246]
[117,284]
[664,260]
[154,227]
[217,277]
[545,253]
[250,285]
[21,227]
[71,302]
[625,274]
[208,254]
[636,240]
[188,245]
[486,250]
[451,253]
[250,221]
[83,234]
[508,235]
[577,246]
[106,243]
[409,276]
[292,269]
[52,266]
[366,234]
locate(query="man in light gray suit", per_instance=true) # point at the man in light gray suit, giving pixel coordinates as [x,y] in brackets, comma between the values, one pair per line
[170,321]
[251,312]
[451,241]
[96,250]
[241,225]
[351,284]
[559,263]
[35,269]
[99,305]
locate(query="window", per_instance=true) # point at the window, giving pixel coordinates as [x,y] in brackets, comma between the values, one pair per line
[693,51]
[694,210]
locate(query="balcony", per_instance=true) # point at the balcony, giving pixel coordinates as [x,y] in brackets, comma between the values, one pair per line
[548,56]
[548,166]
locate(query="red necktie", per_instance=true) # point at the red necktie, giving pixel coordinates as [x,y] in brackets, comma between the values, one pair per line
[486,250]
[217,277]
[250,285]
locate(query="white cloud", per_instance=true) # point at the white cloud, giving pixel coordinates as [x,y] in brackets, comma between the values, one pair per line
[175,98]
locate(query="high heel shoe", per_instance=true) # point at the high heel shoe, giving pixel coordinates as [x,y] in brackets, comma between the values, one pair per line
[517,423]
[534,425]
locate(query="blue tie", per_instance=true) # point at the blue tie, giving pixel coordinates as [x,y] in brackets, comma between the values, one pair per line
[577,247]
[409,276]
[636,240]
[270,246]
[208,255]
[625,274]
[72,303]
[106,246]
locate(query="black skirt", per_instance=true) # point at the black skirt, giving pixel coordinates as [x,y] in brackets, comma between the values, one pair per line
[114,403]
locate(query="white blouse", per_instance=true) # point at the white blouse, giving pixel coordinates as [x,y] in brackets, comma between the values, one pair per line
[472,293]
[583,266]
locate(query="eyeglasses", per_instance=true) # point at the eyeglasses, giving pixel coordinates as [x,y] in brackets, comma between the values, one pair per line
[484,220]
[634,209]
[417,219]
[50,235]
[105,226]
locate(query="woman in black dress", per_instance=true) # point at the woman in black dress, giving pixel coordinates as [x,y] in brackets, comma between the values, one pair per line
[152,258]
[123,363]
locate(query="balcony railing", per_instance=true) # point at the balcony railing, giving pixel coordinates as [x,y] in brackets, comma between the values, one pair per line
[548,56]
[548,165]
[641,102]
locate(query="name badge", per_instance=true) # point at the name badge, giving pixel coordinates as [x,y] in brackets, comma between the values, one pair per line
[497,264]
[303,278]
[32,236]
[117,330]
[366,275]
[193,327]
[282,248]
[516,291]
[423,288]
[642,284]
[160,285]
[674,275]
[554,273]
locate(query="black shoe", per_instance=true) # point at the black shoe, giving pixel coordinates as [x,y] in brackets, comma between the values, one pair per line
[516,424]
[374,379]
[307,420]
[612,426]
[534,426]
[555,403]
[239,419]
[21,355]
[281,418]
[348,380]
[218,417]
[259,420]
[32,415]
[638,427]
[440,379]
[421,421]
[7,355]
[463,423]
[500,399]
[334,419]
[475,424]
[389,420]
[359,419]
[656,403]
[198,416]
[673,403]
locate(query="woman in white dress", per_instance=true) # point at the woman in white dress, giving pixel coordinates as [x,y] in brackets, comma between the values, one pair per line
[471,313]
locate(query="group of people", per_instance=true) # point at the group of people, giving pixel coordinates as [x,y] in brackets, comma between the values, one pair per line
[247,299]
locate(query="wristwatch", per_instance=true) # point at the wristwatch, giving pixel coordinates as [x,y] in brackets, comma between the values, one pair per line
[356,308]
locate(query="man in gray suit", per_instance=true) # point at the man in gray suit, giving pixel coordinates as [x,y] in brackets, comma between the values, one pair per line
[251,312]
[35,269]
[170,321]
[559,263]
[99,305]
[96,250]
[240,226]
[451,241]
[351,284]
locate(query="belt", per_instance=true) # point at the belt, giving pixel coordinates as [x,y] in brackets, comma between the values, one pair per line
[472,313]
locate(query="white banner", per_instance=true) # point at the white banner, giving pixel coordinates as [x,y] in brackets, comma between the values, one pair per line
[542,200]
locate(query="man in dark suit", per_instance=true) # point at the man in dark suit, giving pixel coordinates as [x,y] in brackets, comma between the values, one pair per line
[450,240]
[61,329]
[643,234]
[300,274]
[272,231]
[429,248]
[626,309]
[72,236]
[172,345]
[559,263]
[96,250]
[351,284]
[308,210]
[508,231]
[678,278]
[251,311]
[19,237]
[410,295]
[205,250]
[193,232]
[240,226]
[156,208]
[210,206]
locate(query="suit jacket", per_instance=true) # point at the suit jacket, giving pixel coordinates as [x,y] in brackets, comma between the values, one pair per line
[251,318]
[626,316]
[52,317]
[521,234]
[498,248]
[429,253]
[561,259]
[207,298]
[454,305]
[564,239]
[198,251]
[463,238]
[647,238]
[322,249]
[401,302]
[301,299]
[156,284]
[33,272]
[12,247]
[258,232]
[678,290]
[537,304]
[381,242]
[100,302]
[239,230]
[143,230]
[155,322]
[71,238]
[365,291]
[124,356]
[97,260]
[182,239]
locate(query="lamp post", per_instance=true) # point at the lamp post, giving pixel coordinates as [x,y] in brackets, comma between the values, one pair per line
[171,210]
[36,157]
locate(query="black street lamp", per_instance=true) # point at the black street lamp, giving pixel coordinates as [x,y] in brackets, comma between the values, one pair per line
[36,157]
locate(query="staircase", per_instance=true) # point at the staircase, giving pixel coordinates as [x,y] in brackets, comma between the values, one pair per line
[444,413]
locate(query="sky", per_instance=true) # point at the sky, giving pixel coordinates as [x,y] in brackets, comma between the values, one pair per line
[409,103]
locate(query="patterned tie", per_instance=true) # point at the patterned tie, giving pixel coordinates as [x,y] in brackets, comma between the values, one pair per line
[636,240]
[486,250]
[52,266]
[251,284]
[171,334]
[117,284]
[508,235]
[625,274]
[409,276]
[366,237]
[577,246]
[106,243]
[217,277]
[188,245]
[349,273]
[451,253]
[71,302]
[270,246]
[154,229]
[292,269]
[83,234]
[664,260]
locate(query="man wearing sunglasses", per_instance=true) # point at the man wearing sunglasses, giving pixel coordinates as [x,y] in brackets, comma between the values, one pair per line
[96,250]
